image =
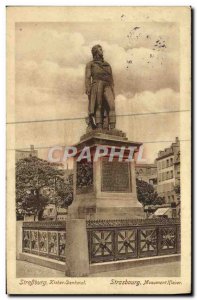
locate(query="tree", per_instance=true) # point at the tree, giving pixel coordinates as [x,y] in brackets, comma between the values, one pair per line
[37,184]
[64,189]
[147,195]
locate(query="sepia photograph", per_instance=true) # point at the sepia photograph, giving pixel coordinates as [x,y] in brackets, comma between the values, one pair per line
[98,150]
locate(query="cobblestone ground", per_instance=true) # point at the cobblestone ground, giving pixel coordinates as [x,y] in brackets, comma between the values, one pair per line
[172,269]
[25,269]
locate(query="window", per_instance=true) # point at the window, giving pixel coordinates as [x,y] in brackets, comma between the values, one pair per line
[167,163]
[171,161]
[163,164]
[171,173]
[159,177]
[167,175]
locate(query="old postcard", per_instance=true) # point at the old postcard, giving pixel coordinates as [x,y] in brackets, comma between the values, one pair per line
[98,150]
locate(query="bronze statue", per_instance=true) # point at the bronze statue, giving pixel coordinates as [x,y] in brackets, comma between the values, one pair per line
[100,90]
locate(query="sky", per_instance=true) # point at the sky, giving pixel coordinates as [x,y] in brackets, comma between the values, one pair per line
[50,61]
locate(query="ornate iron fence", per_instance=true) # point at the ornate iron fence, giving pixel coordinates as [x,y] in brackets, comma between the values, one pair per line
[112,240]
[45,239]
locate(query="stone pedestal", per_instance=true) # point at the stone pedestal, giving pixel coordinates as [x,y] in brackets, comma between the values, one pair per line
[104,189]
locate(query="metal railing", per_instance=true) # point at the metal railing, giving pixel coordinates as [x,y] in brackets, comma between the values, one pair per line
[108,240]
[112,240]
[45,239]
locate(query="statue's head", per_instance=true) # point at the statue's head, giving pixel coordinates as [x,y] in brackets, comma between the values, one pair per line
[97,51]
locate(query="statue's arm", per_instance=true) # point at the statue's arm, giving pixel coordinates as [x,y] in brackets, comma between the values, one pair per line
[88,79]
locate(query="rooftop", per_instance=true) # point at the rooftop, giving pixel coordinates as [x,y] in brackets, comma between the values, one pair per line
[145,166]
[168,151]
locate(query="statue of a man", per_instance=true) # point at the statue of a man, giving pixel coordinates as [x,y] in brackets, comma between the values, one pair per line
[100,90]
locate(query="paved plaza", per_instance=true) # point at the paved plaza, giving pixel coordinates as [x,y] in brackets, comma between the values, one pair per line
[171,269]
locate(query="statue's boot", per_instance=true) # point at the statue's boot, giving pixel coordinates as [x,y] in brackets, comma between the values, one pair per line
[112,125]
[99,125]
[92,122]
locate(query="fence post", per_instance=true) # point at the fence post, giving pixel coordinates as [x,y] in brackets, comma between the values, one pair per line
[19,238]
[77,258]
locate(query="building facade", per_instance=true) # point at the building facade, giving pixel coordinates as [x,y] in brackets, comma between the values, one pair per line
[168,172]
[147,173]
[53,213]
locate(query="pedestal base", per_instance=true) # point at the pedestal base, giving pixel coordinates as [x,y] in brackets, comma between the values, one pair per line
[117,214]
[110,207]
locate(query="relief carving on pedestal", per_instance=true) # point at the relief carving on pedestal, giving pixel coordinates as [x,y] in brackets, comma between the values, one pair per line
[84,182]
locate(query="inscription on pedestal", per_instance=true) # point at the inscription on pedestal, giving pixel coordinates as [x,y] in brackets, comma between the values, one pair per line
[115,177]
